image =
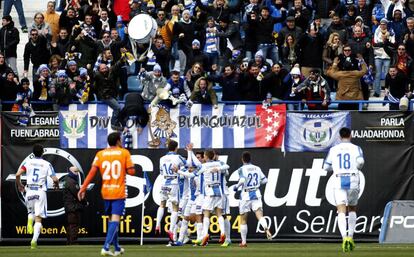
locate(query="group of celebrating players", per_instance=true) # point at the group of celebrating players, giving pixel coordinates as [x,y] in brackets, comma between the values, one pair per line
[196,188]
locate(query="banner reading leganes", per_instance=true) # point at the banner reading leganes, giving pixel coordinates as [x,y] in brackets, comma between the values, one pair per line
[314,132]
[228,126]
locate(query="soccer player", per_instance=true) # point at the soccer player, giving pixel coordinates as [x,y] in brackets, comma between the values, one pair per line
[169,164]
[225,241]
[211,172]
[37,170]
[251,178]
[345,160]
[113,163]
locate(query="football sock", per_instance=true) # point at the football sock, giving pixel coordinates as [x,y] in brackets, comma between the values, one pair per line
[115,241]
[199,231]
[36,231]
[221,225]
[110,235]
[206,225]
[263,223]
[243,233]
[160,214]
[174,217]
[183,230]
[227,226]
[342,224]
[352,217]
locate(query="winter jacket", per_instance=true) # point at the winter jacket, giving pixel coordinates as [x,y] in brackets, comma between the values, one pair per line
[9,39]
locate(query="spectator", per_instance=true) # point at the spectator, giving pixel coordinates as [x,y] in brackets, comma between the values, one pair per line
[162,54]
[3,66]
[107,89]
[204,93]
[23,99]
[315,88]
[61,90]
[41,26]
[338,27]
[378,13]
[402,62]
[151,82]
[72,70]
[409,37]
[105,57]
[228,32]
[83,87]
[290,29]
[250,43]
[325,9]
[364,10]
[219,9]
[167,30]
[62,44]
[55,62]
[176,82]
[184,32]
[349,84]
[35,51]
[85,45]
[9,89]
[311,48]
[52,18]
[350,16]
[263,26]
[382,37]
[136,8]
[396,23]
[9,39]
[290,83]
[396,87]
[41,87]
[261,62]
[8,4]
[273,82]
[68,20]
[251,88]
[211,43]
[134,109]
[73,207]
[229,82]
[301,13]
[106,23]
[289,52]
[198,56]
[193,74]
[359,22]
[332,49]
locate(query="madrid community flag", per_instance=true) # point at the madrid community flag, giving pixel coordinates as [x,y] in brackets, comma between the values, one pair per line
[228,126]
[314,132]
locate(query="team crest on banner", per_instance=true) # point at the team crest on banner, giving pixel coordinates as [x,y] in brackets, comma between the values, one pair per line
[314,132]
[73,123]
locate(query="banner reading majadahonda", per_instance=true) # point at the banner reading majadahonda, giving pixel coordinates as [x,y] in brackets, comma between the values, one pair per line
[228,126]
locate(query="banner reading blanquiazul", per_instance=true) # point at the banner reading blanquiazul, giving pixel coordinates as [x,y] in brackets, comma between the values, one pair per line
[228,126]
[312,131]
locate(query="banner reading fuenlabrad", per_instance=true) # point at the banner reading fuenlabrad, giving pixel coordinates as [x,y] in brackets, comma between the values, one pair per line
[228,126]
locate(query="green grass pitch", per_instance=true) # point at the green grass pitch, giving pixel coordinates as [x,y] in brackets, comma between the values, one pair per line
[253,250]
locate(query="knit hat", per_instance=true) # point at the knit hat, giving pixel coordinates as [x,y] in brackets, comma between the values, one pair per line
[359,18]
[186,11]
[384,21]
[259,54]
[61,73]
[196,42]
[157,67]
[83,72]
[295,71]
[119,18]
[42,67]
[70,63]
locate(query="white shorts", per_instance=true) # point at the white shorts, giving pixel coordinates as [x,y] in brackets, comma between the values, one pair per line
[182,205]
[188,207]
[197,206]
[36,202]
[170,192]
[210,203]
[246,206]
[226,205]
[346,196]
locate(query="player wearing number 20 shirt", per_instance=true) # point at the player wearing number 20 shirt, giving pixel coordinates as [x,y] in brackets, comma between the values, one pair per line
[113,163]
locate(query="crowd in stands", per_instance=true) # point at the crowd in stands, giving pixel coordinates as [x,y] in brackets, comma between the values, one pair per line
[254,50]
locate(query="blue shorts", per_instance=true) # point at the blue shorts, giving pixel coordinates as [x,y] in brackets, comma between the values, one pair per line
[115,207]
